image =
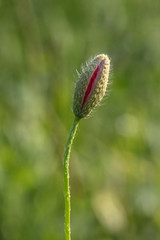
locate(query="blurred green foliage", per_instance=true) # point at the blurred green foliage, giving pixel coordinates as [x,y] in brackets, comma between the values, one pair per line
[115,162]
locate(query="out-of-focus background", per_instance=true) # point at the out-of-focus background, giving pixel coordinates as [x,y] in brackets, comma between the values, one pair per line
[115,162]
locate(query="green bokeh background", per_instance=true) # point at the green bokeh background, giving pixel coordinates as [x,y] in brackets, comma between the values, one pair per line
[115,162]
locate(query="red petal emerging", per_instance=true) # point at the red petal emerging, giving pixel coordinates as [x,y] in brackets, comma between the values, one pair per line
[90,85]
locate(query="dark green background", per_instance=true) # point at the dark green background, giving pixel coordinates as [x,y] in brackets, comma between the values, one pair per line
[115,162]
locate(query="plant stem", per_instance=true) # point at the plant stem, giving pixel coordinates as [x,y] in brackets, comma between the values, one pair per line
[67,195]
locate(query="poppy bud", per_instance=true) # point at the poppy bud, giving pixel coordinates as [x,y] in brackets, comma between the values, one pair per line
[91,86]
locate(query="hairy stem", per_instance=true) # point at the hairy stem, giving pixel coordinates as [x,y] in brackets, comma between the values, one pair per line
[67,194]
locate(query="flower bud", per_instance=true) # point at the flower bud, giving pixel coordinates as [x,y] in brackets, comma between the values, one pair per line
[91,86]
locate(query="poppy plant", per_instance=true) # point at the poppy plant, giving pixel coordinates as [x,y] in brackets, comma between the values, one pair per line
[89,90]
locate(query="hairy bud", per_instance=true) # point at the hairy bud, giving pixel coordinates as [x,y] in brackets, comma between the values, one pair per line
[91,86]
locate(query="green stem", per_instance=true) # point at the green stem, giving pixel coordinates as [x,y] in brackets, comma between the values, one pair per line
[67,195]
